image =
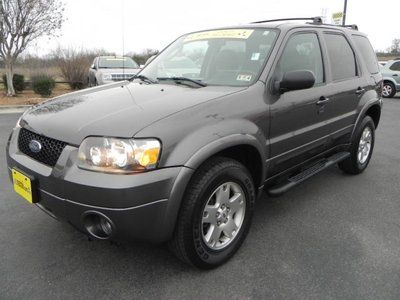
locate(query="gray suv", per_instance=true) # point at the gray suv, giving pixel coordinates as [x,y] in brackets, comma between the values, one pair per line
[107,69]
[391,78]
[181,152]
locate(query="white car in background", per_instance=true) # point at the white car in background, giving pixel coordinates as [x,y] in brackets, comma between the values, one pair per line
[391,78]
[107,69]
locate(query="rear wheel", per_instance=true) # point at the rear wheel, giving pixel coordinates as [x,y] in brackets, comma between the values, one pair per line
[215,214]
[361,148]
[388,90]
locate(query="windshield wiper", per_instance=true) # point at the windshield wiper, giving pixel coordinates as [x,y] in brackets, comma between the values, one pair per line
[178,79]
[143,78]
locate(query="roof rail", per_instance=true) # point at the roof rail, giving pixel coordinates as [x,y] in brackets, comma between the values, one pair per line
[352,26]
[316,20]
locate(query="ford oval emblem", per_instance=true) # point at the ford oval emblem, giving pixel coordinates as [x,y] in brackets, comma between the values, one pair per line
[35,146]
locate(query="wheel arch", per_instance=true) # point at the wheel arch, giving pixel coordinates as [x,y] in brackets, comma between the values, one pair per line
[374,112]
[244,148]
[372,109]
[387,80]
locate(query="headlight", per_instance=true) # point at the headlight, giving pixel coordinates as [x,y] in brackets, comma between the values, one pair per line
[18,125]
[112,155]
[107,77]
[19,122]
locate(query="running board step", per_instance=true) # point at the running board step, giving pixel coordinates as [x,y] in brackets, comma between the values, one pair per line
[321,165]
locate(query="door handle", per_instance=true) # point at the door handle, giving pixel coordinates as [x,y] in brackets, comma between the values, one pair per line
[395,75]
[360,91]
[323,100]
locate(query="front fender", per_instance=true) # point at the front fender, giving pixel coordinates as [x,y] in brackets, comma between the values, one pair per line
[221,144]
[206,141]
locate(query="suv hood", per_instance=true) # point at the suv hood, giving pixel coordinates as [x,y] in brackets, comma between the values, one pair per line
[117,109]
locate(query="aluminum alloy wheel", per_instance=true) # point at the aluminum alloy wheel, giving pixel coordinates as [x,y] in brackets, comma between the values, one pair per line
[387,90]
[364,147]
[223,215]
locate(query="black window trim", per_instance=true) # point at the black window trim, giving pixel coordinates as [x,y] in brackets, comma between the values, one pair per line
[358,69]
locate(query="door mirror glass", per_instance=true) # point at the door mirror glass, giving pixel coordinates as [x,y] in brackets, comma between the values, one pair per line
[295,80]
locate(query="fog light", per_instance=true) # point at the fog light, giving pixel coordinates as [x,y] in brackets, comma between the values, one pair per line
[106,226]
[98,225]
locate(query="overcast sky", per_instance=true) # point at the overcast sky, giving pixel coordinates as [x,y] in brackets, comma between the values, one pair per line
[101,24]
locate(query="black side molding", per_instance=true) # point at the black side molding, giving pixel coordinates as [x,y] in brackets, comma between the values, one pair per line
[321,165]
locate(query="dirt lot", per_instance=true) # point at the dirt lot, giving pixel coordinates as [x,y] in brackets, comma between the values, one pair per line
[28,97]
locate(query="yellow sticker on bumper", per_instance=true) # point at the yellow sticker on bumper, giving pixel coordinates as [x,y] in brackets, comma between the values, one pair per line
[220,34]
[22,185]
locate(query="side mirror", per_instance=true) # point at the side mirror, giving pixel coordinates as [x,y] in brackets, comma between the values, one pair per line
[295,80]
[93,67]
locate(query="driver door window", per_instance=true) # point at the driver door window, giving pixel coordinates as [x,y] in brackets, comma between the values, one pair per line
[302,52]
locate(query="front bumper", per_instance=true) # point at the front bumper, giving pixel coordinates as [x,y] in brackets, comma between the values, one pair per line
[140,206]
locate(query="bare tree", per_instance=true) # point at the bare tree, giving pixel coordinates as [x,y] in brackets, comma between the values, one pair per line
[142,57]
[395,48]
[21,23]
[74,64]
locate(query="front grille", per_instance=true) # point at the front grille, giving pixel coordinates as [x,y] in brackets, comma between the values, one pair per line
[50,151]
[120,77]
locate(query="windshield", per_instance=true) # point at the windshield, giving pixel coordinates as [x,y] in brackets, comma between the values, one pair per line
[232,57]
[117,63]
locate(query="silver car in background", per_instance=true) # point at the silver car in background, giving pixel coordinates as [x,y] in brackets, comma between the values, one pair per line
[391,78]
[107,69]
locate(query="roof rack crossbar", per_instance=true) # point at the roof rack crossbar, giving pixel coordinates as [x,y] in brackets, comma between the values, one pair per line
[316,20]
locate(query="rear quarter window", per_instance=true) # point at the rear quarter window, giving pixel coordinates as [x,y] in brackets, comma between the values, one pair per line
[341,57]
[367,53]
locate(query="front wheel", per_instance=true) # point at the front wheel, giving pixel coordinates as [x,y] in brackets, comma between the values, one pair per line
[361,148]
[215,215]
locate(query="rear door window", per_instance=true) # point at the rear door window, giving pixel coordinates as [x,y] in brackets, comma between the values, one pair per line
[367,53]
[341,57]
[395,66]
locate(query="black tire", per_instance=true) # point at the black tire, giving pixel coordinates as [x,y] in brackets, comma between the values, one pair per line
[187,242]
[352,165]
[391,86]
